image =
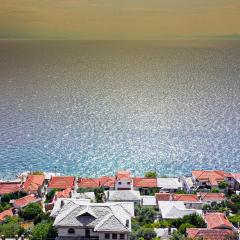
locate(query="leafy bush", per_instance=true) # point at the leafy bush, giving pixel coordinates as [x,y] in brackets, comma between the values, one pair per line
[223,185]
[142,232]
[7,197]
[99,195]
[235,219]
[4,206]
[50,195]
[183,227]
[145,215]
[193,219]
[150,174]
[31,211]
[11,227]
[43,231]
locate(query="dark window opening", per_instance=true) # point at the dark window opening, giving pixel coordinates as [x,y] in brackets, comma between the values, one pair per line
[71,231]
[114,236]
[107,236]
[121,236]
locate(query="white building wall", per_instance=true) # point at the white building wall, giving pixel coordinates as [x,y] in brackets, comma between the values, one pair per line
[123,184]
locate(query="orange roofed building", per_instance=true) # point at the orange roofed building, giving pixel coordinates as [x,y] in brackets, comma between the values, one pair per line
[88,183]
[9,187]
[217,221]
[107,182]
[209,179]
[61,182]
[34,184]
[123,180]
[24,201]
[209,234]
[6,213]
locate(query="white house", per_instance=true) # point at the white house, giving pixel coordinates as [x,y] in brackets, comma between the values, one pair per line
[123,180]
[123,196]
[169,184]
[174,210]
[96,221]
[148,201]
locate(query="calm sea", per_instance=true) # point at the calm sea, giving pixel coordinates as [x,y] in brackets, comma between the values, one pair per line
[92,107]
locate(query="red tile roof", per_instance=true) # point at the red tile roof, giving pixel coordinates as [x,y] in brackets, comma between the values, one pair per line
[61,182]
[206,196]
[123,175]
[208,234]
[213,177]
[6,213]
[163,196]
[107,181]
[236,176]
[145,182]
[9,187]
[64,193]
[185,197]
[33,183]
[89,183]
[24,201]
[217,221]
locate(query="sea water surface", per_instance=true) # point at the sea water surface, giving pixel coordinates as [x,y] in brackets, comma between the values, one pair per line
[92,107]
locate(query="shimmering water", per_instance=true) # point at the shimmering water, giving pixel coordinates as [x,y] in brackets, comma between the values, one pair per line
[90,108]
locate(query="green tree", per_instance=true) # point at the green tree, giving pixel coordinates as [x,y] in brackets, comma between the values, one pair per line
[37,173]
[150,174]
[223,185]
[234,219]
[31,211]
[177,236]
[142,232]
[183,227]
[11,227]
[214,190]
[43,231]
[7,197]
[145,215]
[50,195]
[4,206]
[99,195]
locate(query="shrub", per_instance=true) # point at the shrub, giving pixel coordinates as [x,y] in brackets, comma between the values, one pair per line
[43,231]
[50,195]
[235,219]
[145,215]
[11,227]
[223,185]
[99,195]
[150,174]
[4,206]
[183,227]
[142,232]
[31,211]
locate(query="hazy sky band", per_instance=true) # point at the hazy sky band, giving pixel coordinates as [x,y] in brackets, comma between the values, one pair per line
[118,19]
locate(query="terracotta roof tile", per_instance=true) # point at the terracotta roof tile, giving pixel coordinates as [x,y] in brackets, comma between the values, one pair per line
[213,177]
[9,187]
[208,234]
[64,193]
[163,196]
[206,196]
[123,175]
[217,220]
[185,197]
[6,213]
[107,181]
[33,182]
[61,182]
[89,183]
[24,201]
[145,182]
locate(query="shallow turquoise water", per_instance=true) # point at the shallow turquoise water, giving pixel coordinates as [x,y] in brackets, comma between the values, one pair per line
[91,108]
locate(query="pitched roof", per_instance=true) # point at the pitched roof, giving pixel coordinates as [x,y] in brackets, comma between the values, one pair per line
[6,213]
[89,183]
[64,193]
[214,177]
[124,195]
[207,196]
[145,182]
[33,182]
[61,182]
[169,183]
[102,217]
[176,197]
[123,175]
[107,181]
[217,220]
[24,201]
[149,201]
[208,234]
[174,210]
[163,196]
[236,176]
[9,187]
[185,197]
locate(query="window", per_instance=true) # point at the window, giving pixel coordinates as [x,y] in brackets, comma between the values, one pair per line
[127,223]
[107,236]
[114,236]
[71,231]
[122,236]
[128,183]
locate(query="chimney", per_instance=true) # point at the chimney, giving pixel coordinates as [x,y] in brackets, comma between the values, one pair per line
[62,203]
